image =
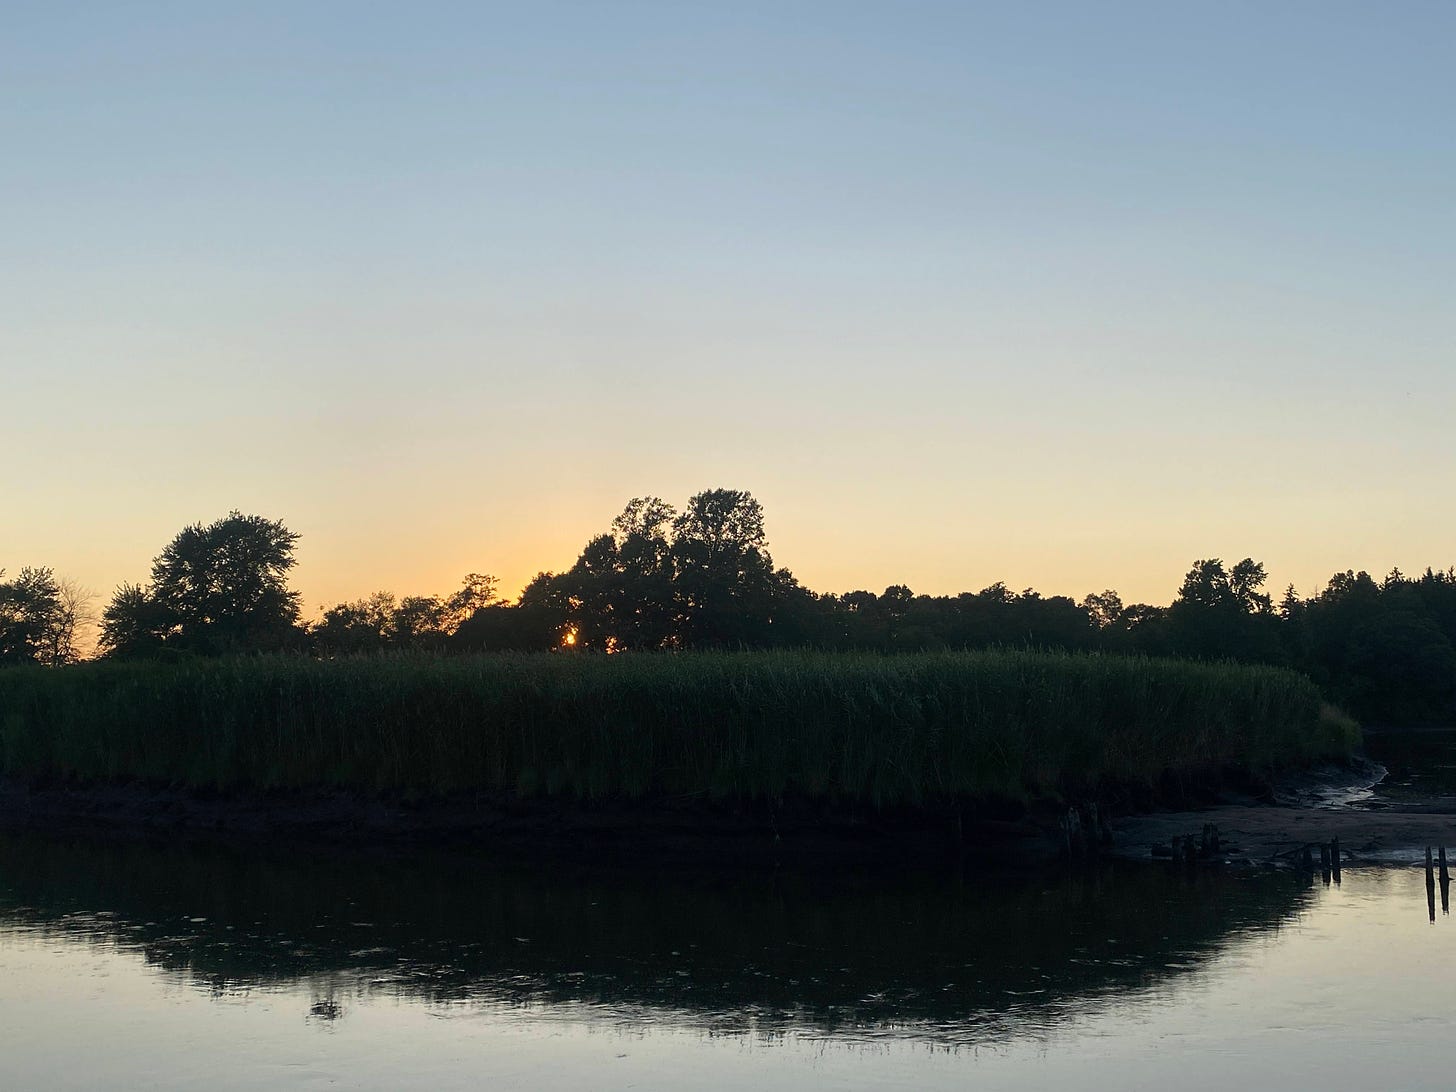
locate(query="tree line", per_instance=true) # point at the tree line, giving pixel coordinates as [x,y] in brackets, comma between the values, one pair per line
[662,579]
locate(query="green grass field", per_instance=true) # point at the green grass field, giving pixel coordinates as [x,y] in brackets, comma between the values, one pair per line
[884,731]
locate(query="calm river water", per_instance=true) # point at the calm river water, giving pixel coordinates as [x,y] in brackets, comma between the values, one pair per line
[127,965]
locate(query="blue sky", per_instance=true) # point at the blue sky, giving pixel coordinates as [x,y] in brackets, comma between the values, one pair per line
[1062,295]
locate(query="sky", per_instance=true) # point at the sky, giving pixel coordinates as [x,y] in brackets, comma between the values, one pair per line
[1061,295]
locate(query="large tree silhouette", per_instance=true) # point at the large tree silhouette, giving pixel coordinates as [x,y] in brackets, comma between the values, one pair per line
[1224,613]
[215,588]
[42,618]
[724,574]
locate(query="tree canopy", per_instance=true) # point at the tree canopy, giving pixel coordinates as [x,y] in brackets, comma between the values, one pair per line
[217,587]
[40,618]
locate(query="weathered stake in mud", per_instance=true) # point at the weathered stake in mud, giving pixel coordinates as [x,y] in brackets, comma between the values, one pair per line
[1210,846]
[1085,834]
[1445,885]
[1190,850]
[1431,887]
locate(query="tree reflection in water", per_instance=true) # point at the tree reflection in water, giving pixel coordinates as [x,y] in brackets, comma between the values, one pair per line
[957,955]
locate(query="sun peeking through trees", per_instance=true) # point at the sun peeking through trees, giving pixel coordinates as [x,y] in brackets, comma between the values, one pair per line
[660,578]
[663,579]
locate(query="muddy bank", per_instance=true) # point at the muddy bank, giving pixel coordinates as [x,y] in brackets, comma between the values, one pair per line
[1307,811]
[679,827]
[1348,802]
[1384,808]
[1261,833]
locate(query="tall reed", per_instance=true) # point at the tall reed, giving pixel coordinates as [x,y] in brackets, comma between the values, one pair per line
[886,731]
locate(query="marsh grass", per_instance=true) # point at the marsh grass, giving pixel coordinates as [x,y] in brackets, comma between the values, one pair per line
[885,731]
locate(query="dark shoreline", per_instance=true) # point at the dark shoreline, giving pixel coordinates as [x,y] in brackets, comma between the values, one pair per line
[695,829]
[657,828]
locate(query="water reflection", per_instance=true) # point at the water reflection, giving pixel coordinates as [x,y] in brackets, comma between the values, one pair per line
[954,957]
[1420,765]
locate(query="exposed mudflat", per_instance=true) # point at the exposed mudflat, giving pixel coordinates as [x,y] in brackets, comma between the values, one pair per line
[1372,811]
[1264,832]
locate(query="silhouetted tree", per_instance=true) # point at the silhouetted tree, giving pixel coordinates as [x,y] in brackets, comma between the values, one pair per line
[1147,629]
[363,625]
[72,621]
[476,592]
[505,627]
[546,603]
[595,591]
[1400,667]
[417,621]
[134,625]
[31,618]
[1348,601]
[219,587]
[1381,649]
[1104,609]
[647,611]
[1222,613]
[724,574]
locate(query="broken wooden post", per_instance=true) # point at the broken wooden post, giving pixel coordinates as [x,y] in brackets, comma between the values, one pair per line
[1445,875]
[1099,831]
[1430,887]
[1075,832]
[1209,846]
[1335,857]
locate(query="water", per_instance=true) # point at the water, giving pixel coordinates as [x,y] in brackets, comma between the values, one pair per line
[1420,765]
[131,965]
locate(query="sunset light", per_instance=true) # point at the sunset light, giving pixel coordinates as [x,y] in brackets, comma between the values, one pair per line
[739,545]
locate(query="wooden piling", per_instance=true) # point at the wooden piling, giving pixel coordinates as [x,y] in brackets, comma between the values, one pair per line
[1430,887]
[1099,830]
[1445,875]
[1072,828]
[1335,858]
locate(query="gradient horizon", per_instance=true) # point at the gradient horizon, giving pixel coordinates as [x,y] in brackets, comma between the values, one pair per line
[1066,298]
